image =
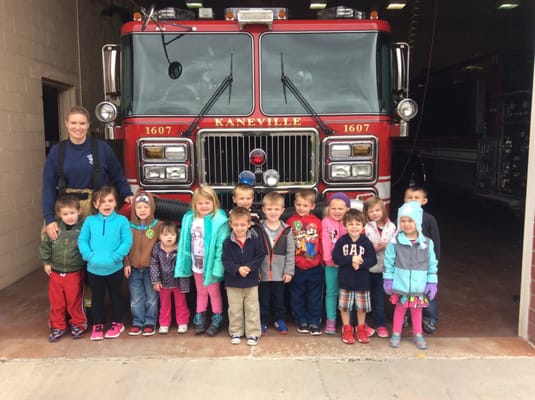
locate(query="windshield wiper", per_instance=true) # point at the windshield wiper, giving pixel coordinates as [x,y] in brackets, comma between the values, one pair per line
[287,83]
[226,83]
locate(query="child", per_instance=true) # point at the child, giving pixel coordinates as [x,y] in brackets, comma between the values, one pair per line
[242,255]
[243,196]
[203,231]
[105,239]
[143,298]
[278,266]
[307,284]
[410,272]
[64,266]
[354,254]
[162,268]
[430,230]
[380,231]
[332,228]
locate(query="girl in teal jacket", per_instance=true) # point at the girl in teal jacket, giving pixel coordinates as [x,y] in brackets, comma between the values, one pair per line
[105,239]
[204,229]
[410,274]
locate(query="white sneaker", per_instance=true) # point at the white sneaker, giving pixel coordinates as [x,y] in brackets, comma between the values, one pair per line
[252,340]
[163,330]
[182,328]
[235,339]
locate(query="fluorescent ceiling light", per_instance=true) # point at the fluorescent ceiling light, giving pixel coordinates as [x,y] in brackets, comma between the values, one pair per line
[318,5]
[507,4]
[191,4]
[396,4]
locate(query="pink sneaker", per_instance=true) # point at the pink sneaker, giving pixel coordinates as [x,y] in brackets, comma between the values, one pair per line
[330,327]
[382,332]
[369,330]
[97,332]
[116,329]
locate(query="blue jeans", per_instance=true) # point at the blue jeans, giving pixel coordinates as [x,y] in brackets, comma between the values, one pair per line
[430,313]
[143,298]
[306,292]
[377,296]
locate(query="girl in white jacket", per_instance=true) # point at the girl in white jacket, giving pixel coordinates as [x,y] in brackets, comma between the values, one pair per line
[380,230]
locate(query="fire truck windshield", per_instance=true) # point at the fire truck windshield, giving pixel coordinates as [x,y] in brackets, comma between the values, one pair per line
[337,73]
[204,60]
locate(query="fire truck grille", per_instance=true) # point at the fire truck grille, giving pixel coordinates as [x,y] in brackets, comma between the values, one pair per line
[293,154]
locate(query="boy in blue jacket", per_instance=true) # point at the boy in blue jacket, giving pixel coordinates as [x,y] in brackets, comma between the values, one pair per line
[242,256]
[410,275]
[354,254]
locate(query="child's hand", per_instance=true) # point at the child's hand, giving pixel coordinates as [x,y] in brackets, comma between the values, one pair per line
[48,269]
[127,271]
[380,246]
[157,286]
[244,271]
[356,261]
[286,278]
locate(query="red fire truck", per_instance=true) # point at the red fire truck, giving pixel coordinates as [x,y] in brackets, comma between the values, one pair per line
[280,104]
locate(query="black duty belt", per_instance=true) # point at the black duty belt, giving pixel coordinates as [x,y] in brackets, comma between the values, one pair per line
[80,195]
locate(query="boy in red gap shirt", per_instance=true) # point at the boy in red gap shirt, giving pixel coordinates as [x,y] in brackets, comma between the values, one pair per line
[306,287]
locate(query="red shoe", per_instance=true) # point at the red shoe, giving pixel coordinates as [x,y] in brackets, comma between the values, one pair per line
[362,335]
[347,334]
[369,330]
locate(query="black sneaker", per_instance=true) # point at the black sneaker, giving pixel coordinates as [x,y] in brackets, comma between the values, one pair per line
[77,332]
[429,327]
[315,330]
[55,334]
[303,328]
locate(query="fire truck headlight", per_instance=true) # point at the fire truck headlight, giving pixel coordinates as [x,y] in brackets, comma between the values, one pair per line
[154,173]
[361,171]
[406,109]
[177,173]
[106,111]
[339,171]
[351,172]
[270,177]
[176,153]
[340,150]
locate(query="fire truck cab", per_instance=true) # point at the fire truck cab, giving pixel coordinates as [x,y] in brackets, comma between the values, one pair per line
[281,104]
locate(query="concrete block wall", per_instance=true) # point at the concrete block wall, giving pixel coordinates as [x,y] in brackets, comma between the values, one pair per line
[56,40]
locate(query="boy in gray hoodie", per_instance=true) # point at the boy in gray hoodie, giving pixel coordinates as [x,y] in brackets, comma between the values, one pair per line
[279,265]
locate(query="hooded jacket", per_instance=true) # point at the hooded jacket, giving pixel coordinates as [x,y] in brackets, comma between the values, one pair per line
[62,254]
[344,250]
[376,236]
[104,242]
[216,230]
[410,265]
[144,235]
[251,254]
[280,258]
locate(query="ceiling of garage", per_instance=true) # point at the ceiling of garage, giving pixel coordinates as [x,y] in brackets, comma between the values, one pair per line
[462,28]
[454,11]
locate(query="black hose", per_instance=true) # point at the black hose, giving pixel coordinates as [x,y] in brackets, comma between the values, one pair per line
[172,210]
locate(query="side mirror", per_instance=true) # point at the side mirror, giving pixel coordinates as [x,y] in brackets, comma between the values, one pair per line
[110,72]
[400,69]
